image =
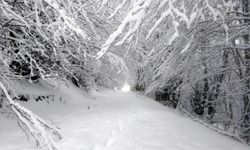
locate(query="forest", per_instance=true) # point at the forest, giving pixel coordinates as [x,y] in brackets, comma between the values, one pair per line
[190,55]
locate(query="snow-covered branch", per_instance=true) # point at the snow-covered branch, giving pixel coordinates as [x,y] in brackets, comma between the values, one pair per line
[135,18]
[177,16]
[29,122]
[119,7]
[69,21]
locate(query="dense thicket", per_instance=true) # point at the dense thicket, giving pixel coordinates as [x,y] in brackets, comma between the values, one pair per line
[43,39]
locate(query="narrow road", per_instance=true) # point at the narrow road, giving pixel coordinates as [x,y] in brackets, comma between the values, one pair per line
[117,121]
[126,121]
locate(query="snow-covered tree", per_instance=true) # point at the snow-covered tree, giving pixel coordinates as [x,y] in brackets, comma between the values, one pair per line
[43,39]
[191,54]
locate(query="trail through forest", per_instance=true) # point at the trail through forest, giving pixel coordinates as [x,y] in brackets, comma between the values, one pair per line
[113,120]
[189,53]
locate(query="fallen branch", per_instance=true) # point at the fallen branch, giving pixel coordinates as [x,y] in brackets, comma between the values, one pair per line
[42,132]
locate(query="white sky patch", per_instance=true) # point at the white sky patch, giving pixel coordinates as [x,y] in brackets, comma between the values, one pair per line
[126,87]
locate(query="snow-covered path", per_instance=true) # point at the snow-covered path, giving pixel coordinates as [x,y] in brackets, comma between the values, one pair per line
[126,121]
[123,121]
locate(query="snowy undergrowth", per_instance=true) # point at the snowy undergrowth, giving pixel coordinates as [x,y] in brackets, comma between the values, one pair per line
[111,120]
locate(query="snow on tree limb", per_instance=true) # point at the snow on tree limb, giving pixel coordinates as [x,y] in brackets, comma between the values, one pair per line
[176,33]
[7,10]
[69,21]
[36,126]
[215,12]
[120,6]
[103,4]
[176,15]
[135,15]
[89,21]
[157,23]
[162,4]
[186,47]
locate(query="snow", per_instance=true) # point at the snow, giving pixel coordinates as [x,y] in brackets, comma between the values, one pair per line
[186,47]
[115,120]
[70,22]
[136,16]
[119,7]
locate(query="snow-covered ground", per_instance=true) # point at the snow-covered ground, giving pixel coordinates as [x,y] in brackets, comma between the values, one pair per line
[113,120]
